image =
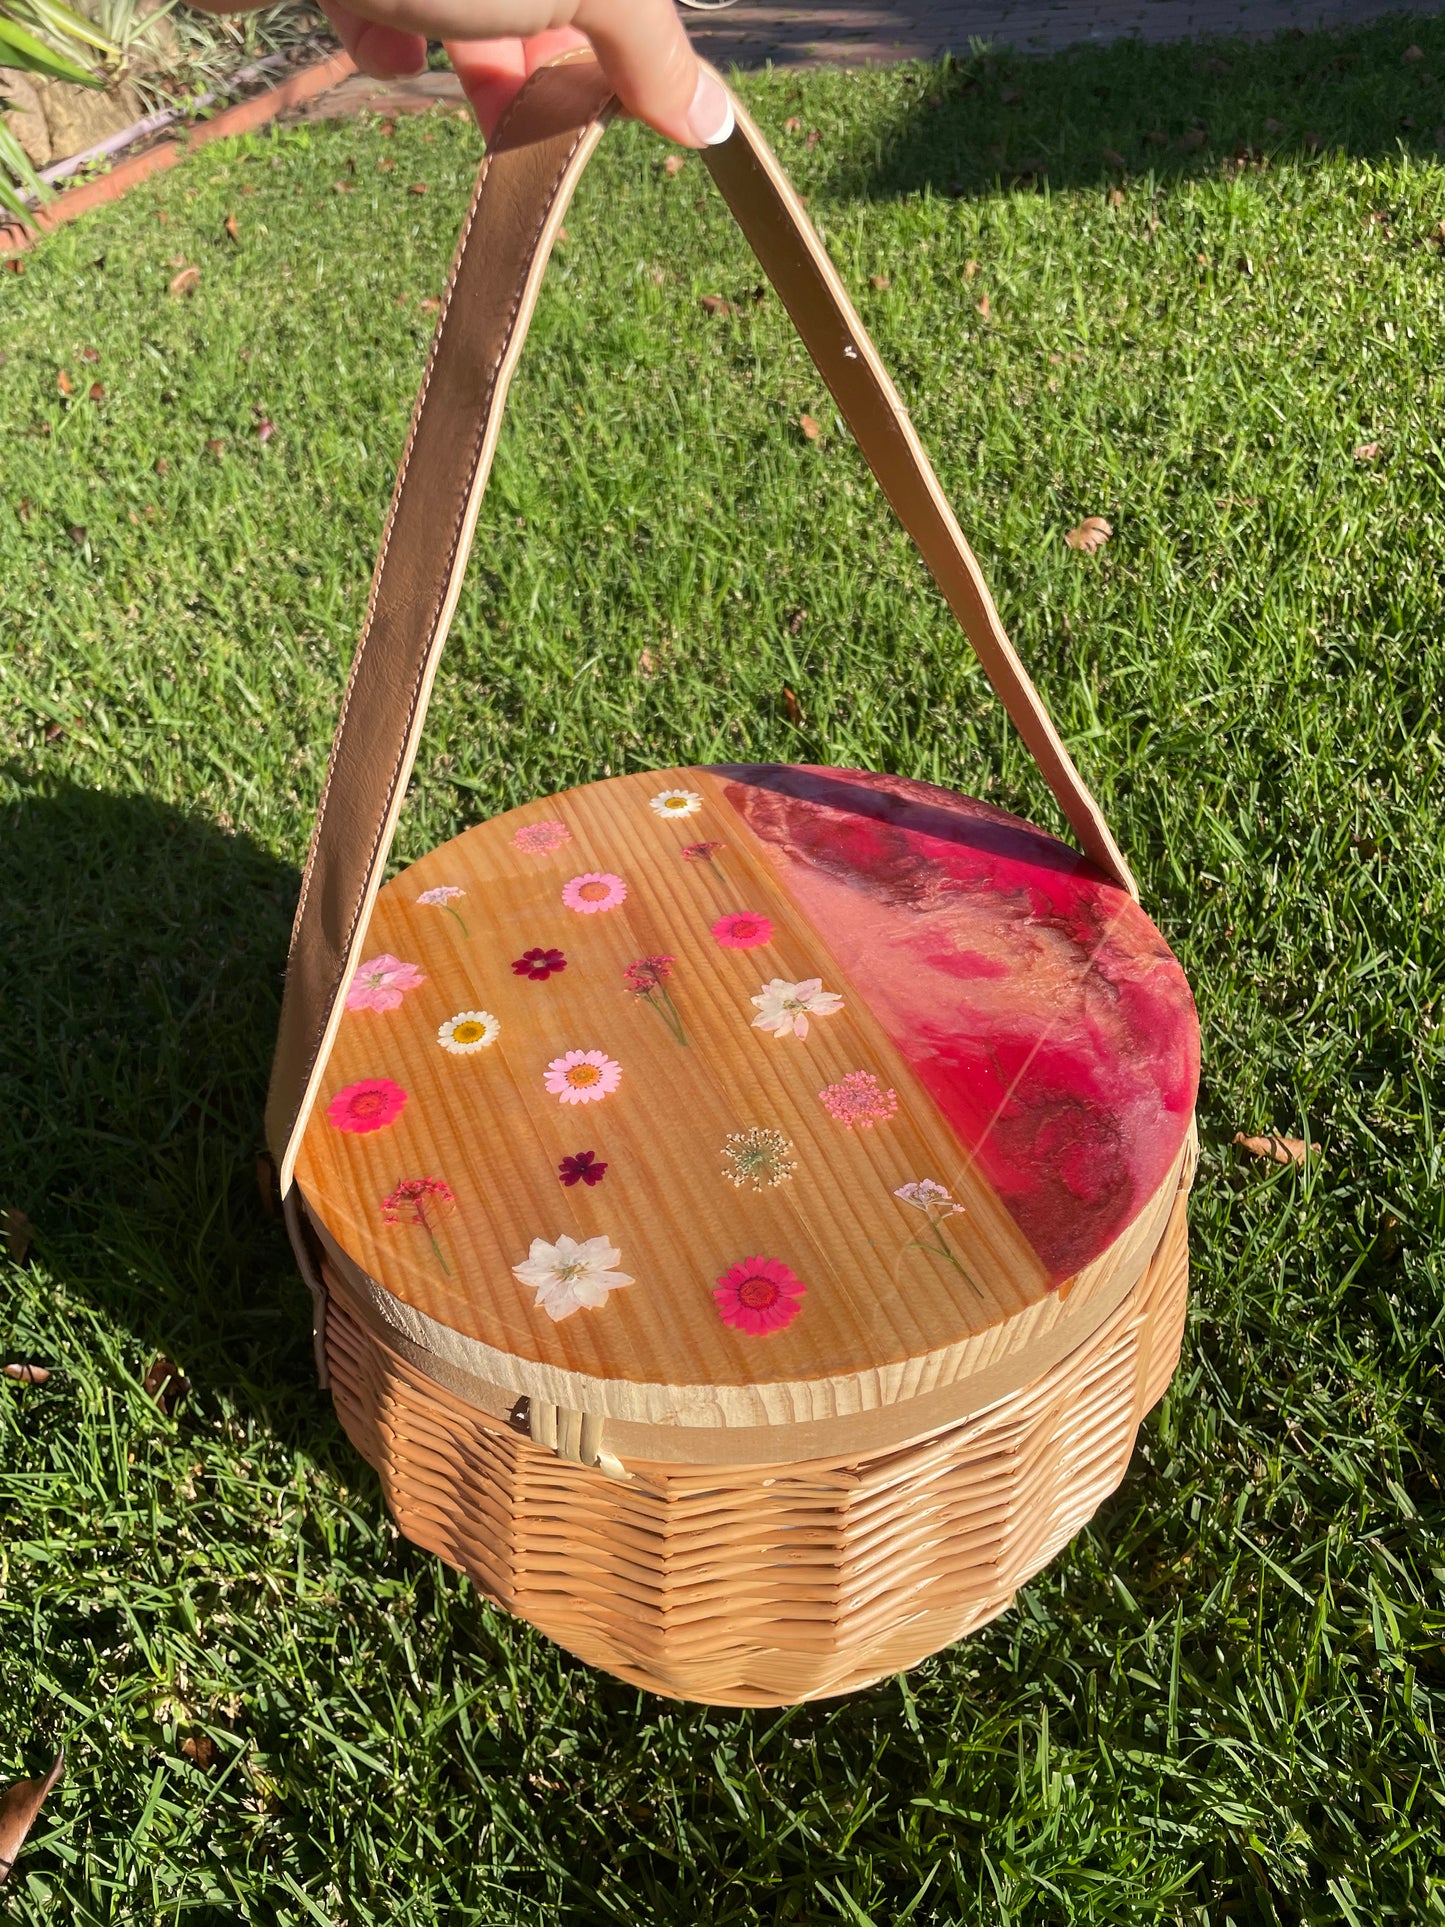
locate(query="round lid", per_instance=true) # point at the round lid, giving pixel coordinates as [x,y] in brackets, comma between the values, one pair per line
[722,1095]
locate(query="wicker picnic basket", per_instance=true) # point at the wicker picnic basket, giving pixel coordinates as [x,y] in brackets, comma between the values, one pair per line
[745,1205]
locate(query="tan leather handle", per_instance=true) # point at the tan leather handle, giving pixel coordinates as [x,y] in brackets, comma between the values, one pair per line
[531,169]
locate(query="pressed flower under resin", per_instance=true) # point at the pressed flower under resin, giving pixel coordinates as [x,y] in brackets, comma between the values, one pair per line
[367,1106]
[859,1101]
[536,839]
[784,1008]
[539,965]
[468,1031]
[381,983]
[571,1275]
[583,1167]
[676,803]
[442,896]
[422,1202]
[595,891]
[758,1157]
[646,978]
[582,1076]
[758,1296]
[742,930]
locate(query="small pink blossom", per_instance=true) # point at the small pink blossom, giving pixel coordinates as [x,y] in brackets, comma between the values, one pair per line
[442,893]
[859,1101]
[536,839]
[381,983]
[594,891]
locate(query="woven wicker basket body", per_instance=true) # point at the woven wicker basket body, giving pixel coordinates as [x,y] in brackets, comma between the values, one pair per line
[765,1585]
[745,1204]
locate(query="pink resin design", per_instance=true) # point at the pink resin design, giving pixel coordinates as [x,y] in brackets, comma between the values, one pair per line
[1032,998]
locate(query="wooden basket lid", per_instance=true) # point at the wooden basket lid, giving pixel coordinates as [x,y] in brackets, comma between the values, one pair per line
[738,1095]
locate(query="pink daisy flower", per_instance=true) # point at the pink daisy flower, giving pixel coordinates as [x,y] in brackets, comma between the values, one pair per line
[744,930]
[381,983]
[536,839]
[595,890]
[859,1100]
[368,1106]
[582,1076]
[758,1296]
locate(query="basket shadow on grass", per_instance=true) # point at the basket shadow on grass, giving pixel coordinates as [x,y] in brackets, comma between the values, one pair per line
[142,958]
[1161,113]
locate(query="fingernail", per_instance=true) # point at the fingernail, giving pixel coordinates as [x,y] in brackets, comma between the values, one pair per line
[710,116]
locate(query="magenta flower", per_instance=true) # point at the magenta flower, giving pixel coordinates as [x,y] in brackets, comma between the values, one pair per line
[744,930]
[701,852]
[758,1296]
[368,1106]
[582,1168]
[539,965]
[381,983]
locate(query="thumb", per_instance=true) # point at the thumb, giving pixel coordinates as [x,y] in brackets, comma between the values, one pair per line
[642,49]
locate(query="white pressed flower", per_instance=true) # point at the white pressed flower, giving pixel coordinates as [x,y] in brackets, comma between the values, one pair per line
[784,1008]
[924,1194]
[468,1031]
[571,1275]
[676,803]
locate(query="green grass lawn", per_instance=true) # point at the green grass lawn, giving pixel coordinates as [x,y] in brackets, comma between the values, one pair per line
[1222,1703]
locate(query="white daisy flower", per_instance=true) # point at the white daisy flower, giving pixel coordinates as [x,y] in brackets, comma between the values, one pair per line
[784,1008]
[468,1031]
[676,803]
[571,1275]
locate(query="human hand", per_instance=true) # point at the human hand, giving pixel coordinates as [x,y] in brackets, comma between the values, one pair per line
[495,44]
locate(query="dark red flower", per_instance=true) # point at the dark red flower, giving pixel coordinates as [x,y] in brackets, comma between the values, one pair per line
[583,1166]
[539,964]
[700,852]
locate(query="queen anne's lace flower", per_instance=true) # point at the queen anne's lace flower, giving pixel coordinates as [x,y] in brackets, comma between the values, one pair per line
[571,1275]
[858,1101]
[784,1008]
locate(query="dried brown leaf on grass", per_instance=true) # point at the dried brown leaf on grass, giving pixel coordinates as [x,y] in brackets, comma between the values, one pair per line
[792,709]
[19,1810]
[716,304]
[674,164]
[64,383]
[879,281]
[1366,451]
[186,282]
[28,1374]
[1412,52]
[96,391]
[165,1383]
[985,307]
[18,1232]
[233,227]
[1091,534]
[1281,1150]
[810,428]
[1113,158]
[200,1749]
